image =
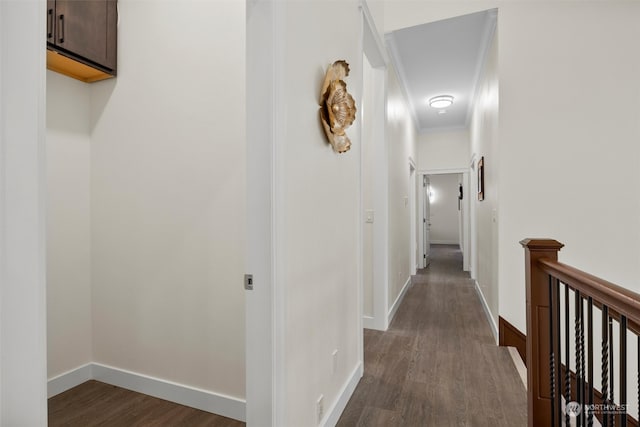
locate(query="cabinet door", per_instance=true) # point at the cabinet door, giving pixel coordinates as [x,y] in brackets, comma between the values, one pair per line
[87,28]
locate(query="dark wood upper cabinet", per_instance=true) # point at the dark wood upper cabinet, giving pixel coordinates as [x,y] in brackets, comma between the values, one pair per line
[82,38]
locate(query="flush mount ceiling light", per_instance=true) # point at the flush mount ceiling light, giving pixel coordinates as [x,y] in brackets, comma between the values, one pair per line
[441,101]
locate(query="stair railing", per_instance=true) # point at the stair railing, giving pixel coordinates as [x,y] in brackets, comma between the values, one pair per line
[578,368]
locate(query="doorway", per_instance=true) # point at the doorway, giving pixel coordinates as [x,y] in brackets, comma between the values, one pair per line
[444,202]
[374,178]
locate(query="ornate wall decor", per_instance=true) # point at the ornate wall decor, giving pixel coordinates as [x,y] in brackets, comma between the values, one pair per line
[337,107]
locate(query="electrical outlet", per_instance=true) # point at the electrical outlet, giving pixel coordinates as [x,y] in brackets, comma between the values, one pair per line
[320,408]
[335,360]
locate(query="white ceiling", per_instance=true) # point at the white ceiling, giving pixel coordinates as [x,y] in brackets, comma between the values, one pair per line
[442,58]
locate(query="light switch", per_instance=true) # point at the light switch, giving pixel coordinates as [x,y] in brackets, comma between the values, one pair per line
[368,215]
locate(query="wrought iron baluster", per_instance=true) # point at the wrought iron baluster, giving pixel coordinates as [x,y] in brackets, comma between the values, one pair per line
[567,363]
[605,361]
[590,358]
[612,415]
[558,346]
[623,370]
[552,361]
[583,380]
[579,353]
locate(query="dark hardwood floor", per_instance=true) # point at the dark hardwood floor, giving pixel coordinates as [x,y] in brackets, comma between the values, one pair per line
[97,404]
[438,364]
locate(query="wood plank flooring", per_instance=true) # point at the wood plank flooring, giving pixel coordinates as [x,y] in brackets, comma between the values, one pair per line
[97,404]
[438,364]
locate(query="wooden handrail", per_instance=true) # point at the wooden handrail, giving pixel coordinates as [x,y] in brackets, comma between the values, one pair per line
[618,299]
[541,262]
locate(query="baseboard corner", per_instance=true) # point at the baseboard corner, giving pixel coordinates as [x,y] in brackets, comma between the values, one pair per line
[70,379]
[398,301]
[334,413]
[216,403]
[487,312]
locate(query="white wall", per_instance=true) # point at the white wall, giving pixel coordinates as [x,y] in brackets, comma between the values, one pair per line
[401,137]
[69,334]
[484,144]
[443,150]
[444,212]
[168,196]
[566,162]
[572,171]
[320,239]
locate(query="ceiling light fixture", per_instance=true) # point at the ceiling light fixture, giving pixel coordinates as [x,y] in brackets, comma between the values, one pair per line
[441,101]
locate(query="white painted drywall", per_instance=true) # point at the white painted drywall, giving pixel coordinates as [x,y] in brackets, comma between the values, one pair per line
[319,248]
[69,334]
[573,173]
[401,137]
[484,144]
[444,150]
[23,370]
[444,209]
[168,194]
[566,162]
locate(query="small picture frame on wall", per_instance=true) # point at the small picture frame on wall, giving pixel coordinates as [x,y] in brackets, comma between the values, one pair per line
[481,179]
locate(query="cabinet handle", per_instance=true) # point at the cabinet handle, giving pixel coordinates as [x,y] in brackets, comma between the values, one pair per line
[50,23]
[61,38]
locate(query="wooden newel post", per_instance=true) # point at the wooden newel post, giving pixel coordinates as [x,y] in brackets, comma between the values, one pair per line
[538,347]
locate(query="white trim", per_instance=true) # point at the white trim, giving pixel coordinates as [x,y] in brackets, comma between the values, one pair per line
[519,364]
[426,131]
[445,242]
[380,164]
[69,380]
[369,322]
[413,219]
[442,171]
[487,312]
[23,316]
[334,412]
[216,403]
[400,73]
[398,301]
[265,314]
[372,43]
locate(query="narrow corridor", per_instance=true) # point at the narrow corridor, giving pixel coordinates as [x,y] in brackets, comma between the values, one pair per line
[438,364]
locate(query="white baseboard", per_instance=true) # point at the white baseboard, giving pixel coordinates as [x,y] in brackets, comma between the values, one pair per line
[519,364]
[444,242]
[69,380]
[368,322]
[216,403]
[487,312]
[398,301]
[334,412]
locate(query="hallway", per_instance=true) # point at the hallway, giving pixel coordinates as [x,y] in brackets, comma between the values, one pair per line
[437,365]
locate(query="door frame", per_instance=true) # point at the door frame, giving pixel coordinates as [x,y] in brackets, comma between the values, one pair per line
[413,216]
[264,305]
[23,315]
[466,248]
[373,49]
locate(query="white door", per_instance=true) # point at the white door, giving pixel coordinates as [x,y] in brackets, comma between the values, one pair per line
[426,220]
